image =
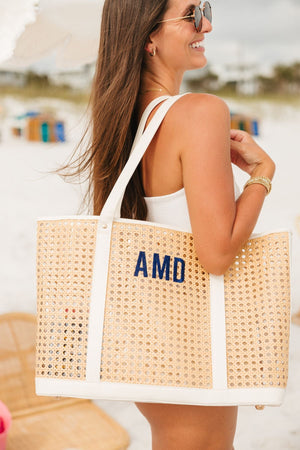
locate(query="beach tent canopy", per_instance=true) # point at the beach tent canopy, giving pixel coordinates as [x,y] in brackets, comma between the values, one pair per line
[68,28]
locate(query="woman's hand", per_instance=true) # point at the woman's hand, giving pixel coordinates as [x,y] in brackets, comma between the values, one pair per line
[249,156]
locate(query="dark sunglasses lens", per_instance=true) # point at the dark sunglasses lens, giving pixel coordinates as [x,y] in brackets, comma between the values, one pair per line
[207,11]
[198,18]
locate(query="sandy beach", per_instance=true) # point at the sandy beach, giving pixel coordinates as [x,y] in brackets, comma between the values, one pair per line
[29,191]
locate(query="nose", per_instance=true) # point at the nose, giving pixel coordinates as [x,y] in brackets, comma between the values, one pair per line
[206,25]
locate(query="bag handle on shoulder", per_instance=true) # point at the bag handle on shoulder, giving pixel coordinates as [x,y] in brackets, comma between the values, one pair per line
[112,206]
[145,115]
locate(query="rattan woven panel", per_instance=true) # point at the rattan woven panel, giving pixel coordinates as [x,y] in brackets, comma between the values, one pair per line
[81,426]
[156,331]
[257,353]
[17,362]
[65,258]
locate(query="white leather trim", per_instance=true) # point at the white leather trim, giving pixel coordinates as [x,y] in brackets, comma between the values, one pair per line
[145,116]
[91,217]
[97,302]
[159,394]
[218,331]
[138,135]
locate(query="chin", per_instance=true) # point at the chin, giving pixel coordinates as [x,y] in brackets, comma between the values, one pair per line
[198,64]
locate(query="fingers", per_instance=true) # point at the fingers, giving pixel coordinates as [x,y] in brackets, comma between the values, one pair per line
[239,135]
[236,145]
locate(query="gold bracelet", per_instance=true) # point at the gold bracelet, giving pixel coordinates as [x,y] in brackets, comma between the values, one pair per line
[265,181]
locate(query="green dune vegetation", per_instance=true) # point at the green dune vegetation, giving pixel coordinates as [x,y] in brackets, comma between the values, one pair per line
[39,85]
[283,85]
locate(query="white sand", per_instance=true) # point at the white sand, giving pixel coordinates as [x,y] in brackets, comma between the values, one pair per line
[27,192]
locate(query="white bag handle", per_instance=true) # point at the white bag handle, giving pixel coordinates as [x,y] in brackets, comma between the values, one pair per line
[145,115]
[112,206]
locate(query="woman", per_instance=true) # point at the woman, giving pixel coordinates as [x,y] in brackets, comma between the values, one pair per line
[145,48]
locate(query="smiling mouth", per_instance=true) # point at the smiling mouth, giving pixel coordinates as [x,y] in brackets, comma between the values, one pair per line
[196,44]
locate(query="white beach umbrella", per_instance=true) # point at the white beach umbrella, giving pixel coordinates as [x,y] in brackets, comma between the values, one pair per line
[14,16]
[70,27]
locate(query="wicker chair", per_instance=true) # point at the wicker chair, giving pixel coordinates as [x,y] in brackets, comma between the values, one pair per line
[46,423]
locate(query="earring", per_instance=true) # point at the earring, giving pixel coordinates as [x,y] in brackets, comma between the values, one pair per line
[153,52]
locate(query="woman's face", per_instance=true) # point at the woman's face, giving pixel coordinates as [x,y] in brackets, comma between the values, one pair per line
[179,46]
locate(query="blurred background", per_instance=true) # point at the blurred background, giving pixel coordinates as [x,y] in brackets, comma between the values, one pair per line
[48,50]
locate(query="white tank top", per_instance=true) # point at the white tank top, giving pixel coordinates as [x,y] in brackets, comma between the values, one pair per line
[172,209]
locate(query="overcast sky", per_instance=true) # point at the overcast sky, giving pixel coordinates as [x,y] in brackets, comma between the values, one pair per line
[259,32]
[255,31]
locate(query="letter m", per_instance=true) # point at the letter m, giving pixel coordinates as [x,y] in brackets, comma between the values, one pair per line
[161,269]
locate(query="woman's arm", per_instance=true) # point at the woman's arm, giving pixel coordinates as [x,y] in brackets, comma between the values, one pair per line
[220,225]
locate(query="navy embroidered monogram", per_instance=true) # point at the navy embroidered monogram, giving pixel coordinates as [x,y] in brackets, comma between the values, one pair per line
[162,270]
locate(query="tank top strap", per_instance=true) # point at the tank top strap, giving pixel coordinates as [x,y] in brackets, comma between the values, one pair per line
[145,116]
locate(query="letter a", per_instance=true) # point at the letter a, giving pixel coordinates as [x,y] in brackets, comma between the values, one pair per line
[141,265]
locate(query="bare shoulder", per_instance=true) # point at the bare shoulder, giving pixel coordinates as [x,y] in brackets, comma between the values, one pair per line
[190,106]
[195,100]
[195,119]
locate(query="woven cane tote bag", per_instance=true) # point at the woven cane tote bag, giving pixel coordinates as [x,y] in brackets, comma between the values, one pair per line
[126,311]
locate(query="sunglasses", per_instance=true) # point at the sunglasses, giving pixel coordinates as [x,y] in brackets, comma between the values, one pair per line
[196,16]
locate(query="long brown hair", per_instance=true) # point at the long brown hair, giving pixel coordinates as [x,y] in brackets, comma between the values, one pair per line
[125,28]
